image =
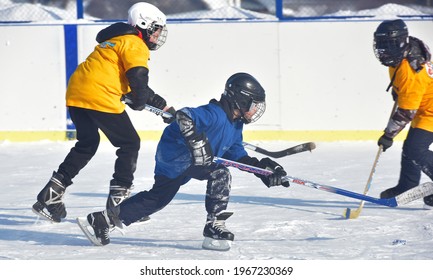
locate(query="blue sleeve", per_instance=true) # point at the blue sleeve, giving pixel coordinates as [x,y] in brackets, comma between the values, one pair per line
[203,119]
[225,137]
[236,151]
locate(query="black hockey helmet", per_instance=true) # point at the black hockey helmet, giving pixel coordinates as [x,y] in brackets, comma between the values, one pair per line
[246,94]
[391,41]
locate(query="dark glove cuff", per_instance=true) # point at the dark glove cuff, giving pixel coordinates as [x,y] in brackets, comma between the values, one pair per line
[249,160]
[267,163]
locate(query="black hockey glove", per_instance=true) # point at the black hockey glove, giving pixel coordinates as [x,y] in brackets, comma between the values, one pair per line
[201,150]
[385,141]
[129,100]
[274,179]
[157,102]
[197,143]
[169,120]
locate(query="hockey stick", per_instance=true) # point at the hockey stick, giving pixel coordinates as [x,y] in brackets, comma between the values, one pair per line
[277,154]
[158,111]
[404,198]
[348,214]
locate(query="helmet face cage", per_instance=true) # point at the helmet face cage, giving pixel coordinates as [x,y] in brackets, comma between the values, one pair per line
[246,95]
[390,51]
[250,109]
[149,19]
[390,42]
[260,108]
[162,37]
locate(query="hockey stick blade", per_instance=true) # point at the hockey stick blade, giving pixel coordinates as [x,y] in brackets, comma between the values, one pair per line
[404,198]
[279,154]
[348,213]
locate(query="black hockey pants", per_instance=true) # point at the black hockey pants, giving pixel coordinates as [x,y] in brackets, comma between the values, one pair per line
[416,158]
[119,131]
[164,189]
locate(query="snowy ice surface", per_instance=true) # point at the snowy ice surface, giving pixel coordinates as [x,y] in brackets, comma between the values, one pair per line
[277,226]
[298,223]
[276,223]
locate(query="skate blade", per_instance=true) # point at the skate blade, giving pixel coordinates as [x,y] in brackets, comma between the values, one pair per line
[216,244]
[142,221]
[123,229]
[427,207]
[44,215]
[85,227]
[119,229]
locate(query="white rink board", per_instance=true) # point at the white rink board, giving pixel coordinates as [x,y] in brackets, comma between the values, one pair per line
[318,75]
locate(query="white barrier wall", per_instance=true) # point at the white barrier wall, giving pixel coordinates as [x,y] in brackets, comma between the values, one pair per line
[322,79]
[32,78]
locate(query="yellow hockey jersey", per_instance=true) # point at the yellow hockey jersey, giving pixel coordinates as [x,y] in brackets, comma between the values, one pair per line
[415,92]
[99,82]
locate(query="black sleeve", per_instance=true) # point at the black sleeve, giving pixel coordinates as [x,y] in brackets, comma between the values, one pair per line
[138,78]
[398,121]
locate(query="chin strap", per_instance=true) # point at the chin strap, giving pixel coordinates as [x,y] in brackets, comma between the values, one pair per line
[393,78]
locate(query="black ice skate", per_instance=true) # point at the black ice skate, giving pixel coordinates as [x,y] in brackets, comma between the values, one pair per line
[428,202]
[117,195]
[96,226]
[392,192]
[50,198]
[217,236]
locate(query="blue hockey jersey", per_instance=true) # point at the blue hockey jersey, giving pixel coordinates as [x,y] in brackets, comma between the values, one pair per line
[173,156]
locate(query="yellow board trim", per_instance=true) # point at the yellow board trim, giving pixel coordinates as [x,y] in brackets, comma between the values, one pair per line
[318,135]
[257,135]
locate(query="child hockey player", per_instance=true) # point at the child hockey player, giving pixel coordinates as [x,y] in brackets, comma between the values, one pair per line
[117,67]
[411,73]
[185,151]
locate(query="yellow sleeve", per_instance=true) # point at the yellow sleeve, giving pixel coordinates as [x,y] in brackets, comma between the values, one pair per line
[99,82]
[133,53]
[410,87]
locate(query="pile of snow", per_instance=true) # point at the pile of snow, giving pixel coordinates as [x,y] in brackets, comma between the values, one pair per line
[385,11]
[230,12]
[12,12]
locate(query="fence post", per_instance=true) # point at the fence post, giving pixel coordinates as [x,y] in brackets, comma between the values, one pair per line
[80,9]
[279,9]
[71,60]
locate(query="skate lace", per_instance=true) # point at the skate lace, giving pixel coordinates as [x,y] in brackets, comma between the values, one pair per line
[102,227]
[104,233]
[220,226]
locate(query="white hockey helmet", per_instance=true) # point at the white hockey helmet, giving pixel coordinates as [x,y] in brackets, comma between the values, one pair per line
[149,19]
